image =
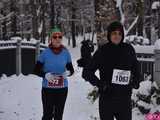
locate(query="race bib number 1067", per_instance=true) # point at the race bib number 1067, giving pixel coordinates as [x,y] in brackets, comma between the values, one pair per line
[121,77]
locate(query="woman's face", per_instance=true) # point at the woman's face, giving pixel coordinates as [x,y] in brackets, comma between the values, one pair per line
[116,37]
[56,39]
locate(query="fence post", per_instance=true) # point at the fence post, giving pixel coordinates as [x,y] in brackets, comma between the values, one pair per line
[18,58]
[37,50]
[157,66]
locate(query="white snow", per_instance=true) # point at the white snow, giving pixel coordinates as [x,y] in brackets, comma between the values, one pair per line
[11,44]
[145,49]
[145,87]
[16,38]
[155,5]
[21,99]
[146,41]
[146,59]
[157,44]
[33,40]
[119,5]
[144,104]
[38,10]
[40,28]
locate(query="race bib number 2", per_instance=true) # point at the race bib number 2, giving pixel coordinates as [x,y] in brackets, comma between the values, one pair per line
[56,82]
[121,77]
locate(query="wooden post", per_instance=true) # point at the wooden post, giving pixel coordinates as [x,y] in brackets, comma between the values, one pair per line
[159,21]
[18,58]
[37,52]
[157,67]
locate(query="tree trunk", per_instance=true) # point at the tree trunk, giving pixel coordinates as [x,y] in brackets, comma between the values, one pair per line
[148,30]
[14,25]
[148,19]
[13,18]
[141,18]
[159,22]
[4,30]
[4,27]
[73,26]
[34,20]
[43,32]
[58,15]
[52,14]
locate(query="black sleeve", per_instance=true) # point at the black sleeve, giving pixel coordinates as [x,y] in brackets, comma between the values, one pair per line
[136,76]
[38,69]
[69,67]
[89,72]
[85,52]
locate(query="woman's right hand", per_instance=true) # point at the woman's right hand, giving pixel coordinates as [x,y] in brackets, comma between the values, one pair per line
[49,76]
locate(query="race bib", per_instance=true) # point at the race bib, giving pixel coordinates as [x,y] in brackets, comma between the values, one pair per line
[121,77]
[56,81]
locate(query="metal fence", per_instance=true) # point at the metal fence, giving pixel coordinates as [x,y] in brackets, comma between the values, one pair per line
[19,56]
[146,58]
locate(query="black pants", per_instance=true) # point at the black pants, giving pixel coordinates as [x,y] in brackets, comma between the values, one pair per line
[121,109]
[53,101]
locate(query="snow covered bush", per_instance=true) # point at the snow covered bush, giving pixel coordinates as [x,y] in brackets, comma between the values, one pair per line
[157,44]
[146,97]
[136,40]
[93,95]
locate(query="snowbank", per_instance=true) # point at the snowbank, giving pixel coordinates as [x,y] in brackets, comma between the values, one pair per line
[155,5]
[157,44]
[136,40]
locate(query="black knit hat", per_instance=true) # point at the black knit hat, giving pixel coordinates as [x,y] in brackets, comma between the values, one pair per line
[113,27]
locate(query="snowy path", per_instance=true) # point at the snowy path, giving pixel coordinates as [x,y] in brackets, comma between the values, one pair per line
[21,99]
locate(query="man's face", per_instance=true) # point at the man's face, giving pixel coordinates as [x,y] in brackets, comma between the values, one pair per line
[116,37]
[56,39]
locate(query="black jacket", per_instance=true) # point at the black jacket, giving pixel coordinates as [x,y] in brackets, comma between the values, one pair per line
[86,49]
[110,57]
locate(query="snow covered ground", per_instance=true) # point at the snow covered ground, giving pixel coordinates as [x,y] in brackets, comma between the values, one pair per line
[20,97]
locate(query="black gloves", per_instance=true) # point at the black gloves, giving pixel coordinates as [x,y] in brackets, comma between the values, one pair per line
[70,68]
[38,69]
